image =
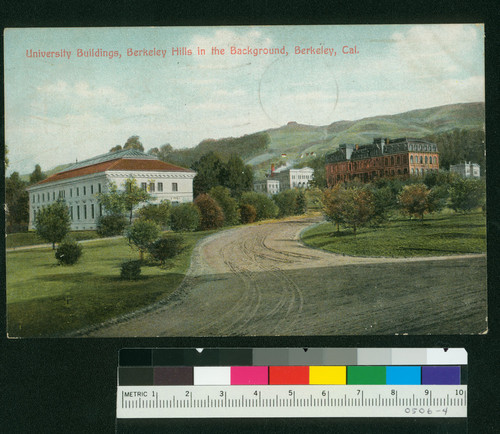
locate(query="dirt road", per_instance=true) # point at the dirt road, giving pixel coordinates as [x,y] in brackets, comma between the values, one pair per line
[260,280]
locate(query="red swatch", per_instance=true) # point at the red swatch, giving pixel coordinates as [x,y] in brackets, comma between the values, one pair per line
[289,375]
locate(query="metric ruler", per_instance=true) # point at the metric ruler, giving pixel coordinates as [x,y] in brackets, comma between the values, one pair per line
[312,383]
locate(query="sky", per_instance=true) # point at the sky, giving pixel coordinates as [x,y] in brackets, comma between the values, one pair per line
[59,109]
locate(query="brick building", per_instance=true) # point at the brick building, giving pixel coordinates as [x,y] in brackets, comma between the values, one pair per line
[382,158]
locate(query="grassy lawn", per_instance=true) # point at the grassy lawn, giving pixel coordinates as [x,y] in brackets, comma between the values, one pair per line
[31,238]
[46,299]
[442,234]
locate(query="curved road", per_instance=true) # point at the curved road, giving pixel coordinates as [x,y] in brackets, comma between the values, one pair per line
[260,280]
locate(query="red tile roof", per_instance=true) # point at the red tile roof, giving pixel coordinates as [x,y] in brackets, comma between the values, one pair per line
[127,164]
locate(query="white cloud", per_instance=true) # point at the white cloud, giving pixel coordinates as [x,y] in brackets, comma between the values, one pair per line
[431,51]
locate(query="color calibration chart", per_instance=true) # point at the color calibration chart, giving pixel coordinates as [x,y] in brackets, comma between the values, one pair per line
[292,383]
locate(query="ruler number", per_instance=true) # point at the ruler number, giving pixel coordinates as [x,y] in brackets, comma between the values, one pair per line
[426,391]
[323,393]
[459,392]
[290,392]
[393,392]
[188,393]
[358,392]
[255,393]
[222,393]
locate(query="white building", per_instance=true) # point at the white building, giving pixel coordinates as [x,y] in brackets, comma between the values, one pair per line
[79,184]
[467,170]
[269,186]
[294,178]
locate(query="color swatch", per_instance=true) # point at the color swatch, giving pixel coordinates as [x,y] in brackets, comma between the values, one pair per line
[297,366]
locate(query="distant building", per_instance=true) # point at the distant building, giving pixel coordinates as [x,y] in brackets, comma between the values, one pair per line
[293,178]
[467,170]
[382,158]
[79,184]
[269,186]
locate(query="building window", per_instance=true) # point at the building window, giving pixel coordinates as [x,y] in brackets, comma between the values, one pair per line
[70,192]
[397,159]
[411,158]
[144,186]
[71,212]
[421,160]
[85,211]
[160,186]
[78,212]
[92,189]
[84,190]
[152,187]
[174,186]
[392,161]
[92,211]
[100,209]
[53,195]
[99,188]
[43,197]
[426,159]
[78,192]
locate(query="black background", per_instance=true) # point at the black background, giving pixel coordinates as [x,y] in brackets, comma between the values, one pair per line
[69,385]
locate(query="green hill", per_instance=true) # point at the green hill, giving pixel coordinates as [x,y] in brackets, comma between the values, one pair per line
[296,140]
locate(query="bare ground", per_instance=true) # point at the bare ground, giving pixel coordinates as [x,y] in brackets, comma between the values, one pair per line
[259,280]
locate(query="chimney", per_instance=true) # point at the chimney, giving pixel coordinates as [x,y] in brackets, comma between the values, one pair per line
[272,170]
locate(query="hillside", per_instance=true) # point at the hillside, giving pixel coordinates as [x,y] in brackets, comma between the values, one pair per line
[295,140]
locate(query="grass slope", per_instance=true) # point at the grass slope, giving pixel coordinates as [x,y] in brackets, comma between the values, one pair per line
[31,238]
[439,235]
[45,299]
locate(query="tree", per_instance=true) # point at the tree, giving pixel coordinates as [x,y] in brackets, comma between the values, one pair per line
[413,200]
[112,201]
[211,214]
[17,201]
[332,205]
[141,234]
[467,194]
[358,207]
[185,217]
[158,213]
[116,202]
[264,205]
[133,142]
[68,252]
[37,175]
[385,200]
[133,195]
[208,173]
[228,204]
[52,223]
[116,148]
[236,176]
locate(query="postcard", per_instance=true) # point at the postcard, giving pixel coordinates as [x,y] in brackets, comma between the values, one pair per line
[245,181]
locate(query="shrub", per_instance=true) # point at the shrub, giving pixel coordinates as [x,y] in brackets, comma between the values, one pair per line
[248,213]
[109,225]
[467,194]
[211,215]
[264,205]
[68,252]
[286,201]
[130,270]
[158,213]
[185,217]
[228,204]
[142,233]
[166,248]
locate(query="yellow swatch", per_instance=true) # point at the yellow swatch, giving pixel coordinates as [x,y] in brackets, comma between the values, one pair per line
[327,375]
